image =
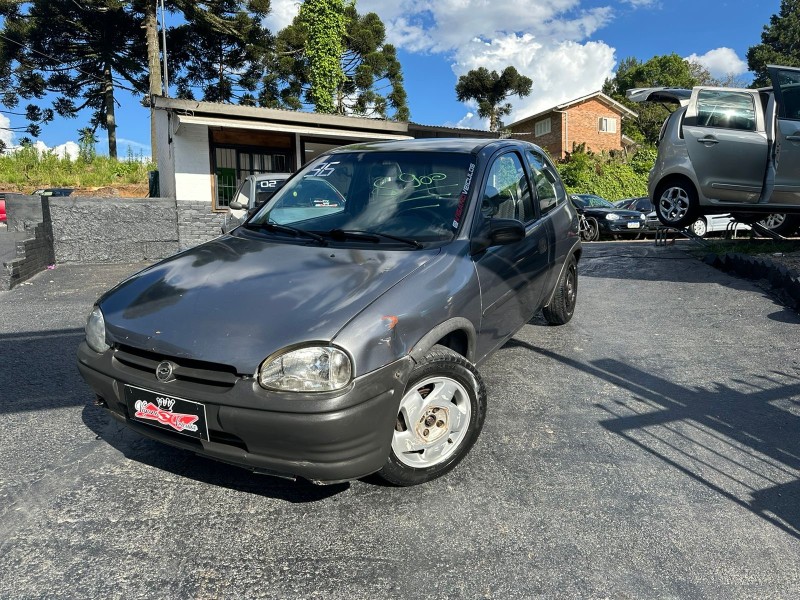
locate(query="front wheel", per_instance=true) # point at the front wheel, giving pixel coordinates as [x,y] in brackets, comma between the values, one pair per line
[591,230]
[676,204]
[440,417]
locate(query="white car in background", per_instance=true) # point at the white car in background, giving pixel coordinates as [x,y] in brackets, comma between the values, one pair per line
[254,191]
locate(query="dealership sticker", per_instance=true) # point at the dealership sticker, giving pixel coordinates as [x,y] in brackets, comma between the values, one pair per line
[178,421]
[462,199]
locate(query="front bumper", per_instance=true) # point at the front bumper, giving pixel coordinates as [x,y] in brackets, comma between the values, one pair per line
[620,227]
[323,437]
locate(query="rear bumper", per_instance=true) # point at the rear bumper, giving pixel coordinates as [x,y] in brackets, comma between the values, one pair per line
[325,438]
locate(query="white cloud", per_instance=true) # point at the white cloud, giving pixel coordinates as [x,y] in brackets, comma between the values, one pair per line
[6,136]
[720,62]
[542,39]
[281,14]
[67,149]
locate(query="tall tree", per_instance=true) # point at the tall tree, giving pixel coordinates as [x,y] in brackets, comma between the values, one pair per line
[221,50]
[780,43]
[79,52]
[667,70]
[490,90]
[337,61]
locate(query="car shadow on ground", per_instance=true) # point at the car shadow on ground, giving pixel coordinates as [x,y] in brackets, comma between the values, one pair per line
[740,439]
[197,468]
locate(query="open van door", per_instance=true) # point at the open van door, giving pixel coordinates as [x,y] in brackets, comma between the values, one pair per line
[786,88]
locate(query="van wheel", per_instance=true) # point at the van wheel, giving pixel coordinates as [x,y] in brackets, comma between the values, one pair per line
[440,417]
[782,223]
[676,204]
[562,306]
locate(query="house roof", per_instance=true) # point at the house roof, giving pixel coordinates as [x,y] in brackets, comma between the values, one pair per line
[600,96]
[272,119]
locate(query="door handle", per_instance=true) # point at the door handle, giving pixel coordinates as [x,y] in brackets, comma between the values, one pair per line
[794,138]
[708,140]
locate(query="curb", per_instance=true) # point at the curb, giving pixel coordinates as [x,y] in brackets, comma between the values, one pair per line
[759,268]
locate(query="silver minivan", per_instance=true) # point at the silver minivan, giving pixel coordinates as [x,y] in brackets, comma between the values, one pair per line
[728,150]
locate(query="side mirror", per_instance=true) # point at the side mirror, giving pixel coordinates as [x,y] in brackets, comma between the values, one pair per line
[498,232]
[236,205]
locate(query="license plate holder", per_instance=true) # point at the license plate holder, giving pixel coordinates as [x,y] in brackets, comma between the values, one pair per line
[633,225]
[167,412]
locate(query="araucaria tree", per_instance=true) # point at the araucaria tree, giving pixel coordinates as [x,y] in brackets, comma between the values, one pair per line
[336,61]
[77,53]
[221,50]
[491,90]
[780,43]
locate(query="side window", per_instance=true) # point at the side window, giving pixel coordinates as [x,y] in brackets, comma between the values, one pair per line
[243,194]
[789,105]
[548,190]
[507,194]
[726,109]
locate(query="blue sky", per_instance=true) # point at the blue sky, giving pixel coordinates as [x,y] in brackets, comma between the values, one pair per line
[568,48]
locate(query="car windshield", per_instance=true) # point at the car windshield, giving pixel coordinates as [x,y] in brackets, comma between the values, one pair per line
[587,201]
[393,196]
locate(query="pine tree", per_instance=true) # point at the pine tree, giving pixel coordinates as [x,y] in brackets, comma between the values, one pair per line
[78,52]
[780,43]
[490,90]
[337,61]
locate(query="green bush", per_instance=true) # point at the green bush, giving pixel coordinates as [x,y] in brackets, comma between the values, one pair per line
[612,177]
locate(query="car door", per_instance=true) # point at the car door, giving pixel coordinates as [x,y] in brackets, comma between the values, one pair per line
[511,276]
[786,87]
[727,143]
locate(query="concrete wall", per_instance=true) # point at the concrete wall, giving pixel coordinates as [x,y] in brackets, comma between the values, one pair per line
[196,223]
[34,255]
[192,164]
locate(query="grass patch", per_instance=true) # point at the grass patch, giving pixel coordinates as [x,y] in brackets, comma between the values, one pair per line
[26,170]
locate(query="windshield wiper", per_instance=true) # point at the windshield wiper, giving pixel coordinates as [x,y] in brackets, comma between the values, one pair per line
[368,236]
[295,231]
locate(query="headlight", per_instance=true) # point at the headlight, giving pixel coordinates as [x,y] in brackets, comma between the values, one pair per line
[641,216]
[96,331]
[612,217]
[311,369]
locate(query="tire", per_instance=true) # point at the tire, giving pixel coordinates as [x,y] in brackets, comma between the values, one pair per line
[562,306]
[676,204]
[439,419]
[699,227]
[592,231]
[781,223]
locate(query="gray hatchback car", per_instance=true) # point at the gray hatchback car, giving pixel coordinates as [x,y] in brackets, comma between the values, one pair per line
[330,341]
[728,150]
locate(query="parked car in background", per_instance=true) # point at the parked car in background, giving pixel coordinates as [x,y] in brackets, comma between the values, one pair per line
[641,204]
[703,225]
[728,150]
[604,220]
[252,194]
[53,192]
[2,207]
[331,340]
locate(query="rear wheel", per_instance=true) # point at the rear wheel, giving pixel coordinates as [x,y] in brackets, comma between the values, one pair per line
[562,306]
[440,417]
[676,204]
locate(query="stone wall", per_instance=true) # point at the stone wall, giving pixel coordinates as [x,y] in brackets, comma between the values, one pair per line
[34,255]
[23,212]
[196,223]
[113,229]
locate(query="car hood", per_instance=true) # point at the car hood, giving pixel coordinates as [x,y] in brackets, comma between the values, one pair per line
[596,210]
[237,299]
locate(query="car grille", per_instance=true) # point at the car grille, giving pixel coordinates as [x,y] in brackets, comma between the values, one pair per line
[209,376]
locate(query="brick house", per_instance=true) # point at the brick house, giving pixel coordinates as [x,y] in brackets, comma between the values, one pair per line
[594,120]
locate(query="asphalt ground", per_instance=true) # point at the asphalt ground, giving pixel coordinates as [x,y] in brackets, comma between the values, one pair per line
[648,449]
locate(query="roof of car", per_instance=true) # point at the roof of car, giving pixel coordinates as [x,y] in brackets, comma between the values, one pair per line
[466,145]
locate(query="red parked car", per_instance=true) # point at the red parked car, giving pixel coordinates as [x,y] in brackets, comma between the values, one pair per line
[2,207]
